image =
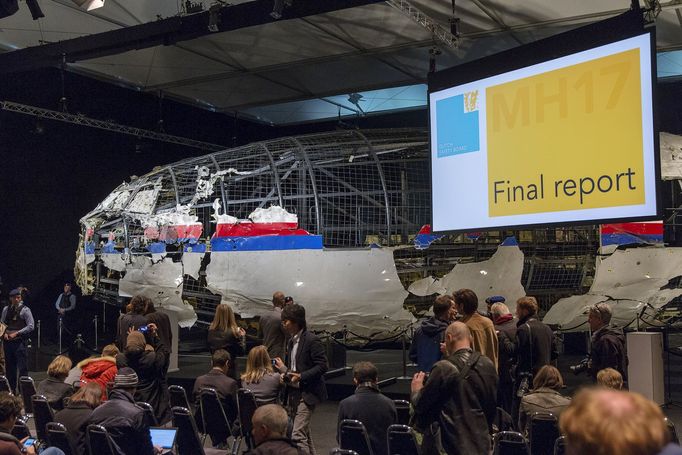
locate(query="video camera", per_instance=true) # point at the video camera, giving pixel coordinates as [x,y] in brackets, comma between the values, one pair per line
[581,366]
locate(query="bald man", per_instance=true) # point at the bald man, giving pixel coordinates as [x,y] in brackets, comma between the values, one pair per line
[269,431]
[607,421]
[460,395]
[271,329]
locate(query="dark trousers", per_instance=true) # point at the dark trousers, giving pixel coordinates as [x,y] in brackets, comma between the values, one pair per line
[15,361]
[505,392]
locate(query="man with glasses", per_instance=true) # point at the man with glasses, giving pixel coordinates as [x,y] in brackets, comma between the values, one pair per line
[608,343]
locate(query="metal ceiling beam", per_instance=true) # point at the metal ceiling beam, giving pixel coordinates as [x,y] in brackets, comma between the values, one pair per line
[107,126]
[163,32]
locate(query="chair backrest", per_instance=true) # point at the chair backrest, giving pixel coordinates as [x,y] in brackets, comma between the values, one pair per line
[246,404]
[149,417]
[57,436]
[338,451]
[672,431]
[403,409]
[42,414]
[543,429]
[216,423]
[402,441]
[20,429]
[27,388]
[4,385]
[98,441]
[560,445]
[178,396]
[353,436]
[187,439]
[510,443]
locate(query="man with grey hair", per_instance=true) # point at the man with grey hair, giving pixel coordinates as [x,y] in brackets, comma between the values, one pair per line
[269,431]
[459,395]
[608,343]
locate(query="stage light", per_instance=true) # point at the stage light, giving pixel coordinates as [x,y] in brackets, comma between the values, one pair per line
[34,7]
[89,4]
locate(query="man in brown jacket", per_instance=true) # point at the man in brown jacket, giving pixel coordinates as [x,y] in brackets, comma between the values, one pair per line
[484,338]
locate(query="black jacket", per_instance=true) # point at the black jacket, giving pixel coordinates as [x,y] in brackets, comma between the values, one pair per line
[608,351]
[374,410]
[225,386]
[55,390]
[506,357]
[125,423]
[125,322]
[217,339]
[75,418]
[535,346]
[311,362]
[279,446]
[464,407]
[150,367]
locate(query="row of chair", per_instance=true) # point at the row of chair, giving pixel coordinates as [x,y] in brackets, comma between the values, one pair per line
[401,438]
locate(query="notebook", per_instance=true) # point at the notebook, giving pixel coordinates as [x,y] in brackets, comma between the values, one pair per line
[163,437]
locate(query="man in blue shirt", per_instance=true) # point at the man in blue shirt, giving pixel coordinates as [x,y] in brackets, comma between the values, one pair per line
[19,321]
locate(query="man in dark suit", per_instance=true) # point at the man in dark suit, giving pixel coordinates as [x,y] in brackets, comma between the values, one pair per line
[368,405]
[304,367]
[271,329]
[218,379]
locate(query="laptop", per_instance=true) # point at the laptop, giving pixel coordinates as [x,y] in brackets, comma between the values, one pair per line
[163,437]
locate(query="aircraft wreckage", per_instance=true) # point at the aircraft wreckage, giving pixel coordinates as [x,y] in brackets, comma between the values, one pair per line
[339,221]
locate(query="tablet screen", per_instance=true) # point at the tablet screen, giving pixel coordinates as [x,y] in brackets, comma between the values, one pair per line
[163,437]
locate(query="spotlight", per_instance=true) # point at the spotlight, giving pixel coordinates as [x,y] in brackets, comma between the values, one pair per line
[278,7]
[89,4]
[34,7]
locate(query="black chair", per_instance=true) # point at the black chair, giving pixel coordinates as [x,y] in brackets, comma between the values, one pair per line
[353,436]
[42,415]
[58,437]
[187,440]
[338,451]
[20,429]
[98,441]
[403,409]
[27,388]
[672,431]
[560,445]
[246,406]
[543,430]
[402,441]
[149,417]
[510,443]
[178,397]
[4,385]
[213,416]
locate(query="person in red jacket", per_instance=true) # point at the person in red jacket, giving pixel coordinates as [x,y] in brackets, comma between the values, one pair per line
[101,370]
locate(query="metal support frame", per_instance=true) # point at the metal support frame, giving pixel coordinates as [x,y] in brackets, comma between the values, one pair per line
[107,126]
[311,173]
[440,34]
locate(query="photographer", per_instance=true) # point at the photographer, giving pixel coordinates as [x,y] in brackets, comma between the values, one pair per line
[534,348]
[608,343]
[149,363]
[305,366]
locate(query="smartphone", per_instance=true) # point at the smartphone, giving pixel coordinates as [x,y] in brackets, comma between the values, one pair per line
[274,362]
[29,442]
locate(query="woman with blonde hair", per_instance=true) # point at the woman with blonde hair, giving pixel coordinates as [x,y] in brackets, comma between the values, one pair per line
[260,378]
[610,378]
[544,397]
[53,387]
[224,333]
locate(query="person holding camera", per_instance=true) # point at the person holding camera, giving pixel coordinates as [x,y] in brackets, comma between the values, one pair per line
[459,395]
[260,378]
[534,348]
[149,363]
[303,370]
[608,343]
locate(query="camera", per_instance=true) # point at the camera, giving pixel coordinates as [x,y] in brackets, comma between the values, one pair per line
[581,366]
[524,384]
[144,329]
[288,299]
[274,362]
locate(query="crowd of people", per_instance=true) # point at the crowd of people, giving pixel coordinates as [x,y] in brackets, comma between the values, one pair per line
[478,374]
